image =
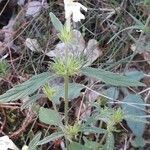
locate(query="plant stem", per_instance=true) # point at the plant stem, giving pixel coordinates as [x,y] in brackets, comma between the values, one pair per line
[66,87]
[68,24]
[66,81]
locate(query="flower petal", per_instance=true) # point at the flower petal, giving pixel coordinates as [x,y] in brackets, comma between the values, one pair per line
[74,9]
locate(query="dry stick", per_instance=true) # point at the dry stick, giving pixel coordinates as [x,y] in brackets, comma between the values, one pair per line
[10,107]
[4,7]
[81,104]
[115,101]
[80,107]
[29,119]
[12,62]
[4,122]
[147,96]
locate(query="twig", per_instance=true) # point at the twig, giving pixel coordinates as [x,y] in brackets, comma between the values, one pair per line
[29,119]
[4,7]
[4,122]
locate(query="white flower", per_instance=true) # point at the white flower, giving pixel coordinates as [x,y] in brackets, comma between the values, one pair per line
[74,9]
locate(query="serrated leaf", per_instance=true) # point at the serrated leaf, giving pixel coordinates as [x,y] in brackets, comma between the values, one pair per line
[34,141]
[52,137]
[56,23]
[73,91]
[49,116]
[135,122]
[110,78]
[26,88]
[109,141]
[77,146]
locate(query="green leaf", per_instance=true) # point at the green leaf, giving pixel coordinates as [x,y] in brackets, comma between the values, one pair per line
[92,145]
[77,146]
[93,130]
[34,141]
[112,92]
[56,23]
[135,75]
[133,108]
[49,116]
[136,119]
[73,91]
[4,67]
[146,2]
[110,78]
[31,100]
[52,137]
[26,88]
[110,141]
[138,142]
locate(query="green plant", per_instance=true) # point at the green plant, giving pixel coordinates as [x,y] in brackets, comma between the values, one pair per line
[108,117]
[3,68]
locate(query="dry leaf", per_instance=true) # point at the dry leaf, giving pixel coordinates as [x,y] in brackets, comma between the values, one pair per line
[6,143]
[146,56]
[92,51]
[21,2]
[82,112]
[33,9]
[8,30]
[86,112]
[143,48]
[33,44]
[78,47]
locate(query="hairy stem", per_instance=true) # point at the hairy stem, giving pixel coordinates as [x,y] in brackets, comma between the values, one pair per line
[66,81]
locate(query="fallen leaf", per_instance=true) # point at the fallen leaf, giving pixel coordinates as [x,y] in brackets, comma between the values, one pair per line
[92,51]
[143,47]
[8,33]
[146,56]
[21,2]
[6,143]
[33,9]
[33,44]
